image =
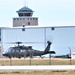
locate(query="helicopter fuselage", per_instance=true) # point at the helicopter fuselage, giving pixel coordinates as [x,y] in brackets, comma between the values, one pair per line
[11,52]
[26,51]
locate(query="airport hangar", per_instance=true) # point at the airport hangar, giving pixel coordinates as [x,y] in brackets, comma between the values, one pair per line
[62,37]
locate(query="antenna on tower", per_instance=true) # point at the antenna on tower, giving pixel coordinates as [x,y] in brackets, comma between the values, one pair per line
[25,2]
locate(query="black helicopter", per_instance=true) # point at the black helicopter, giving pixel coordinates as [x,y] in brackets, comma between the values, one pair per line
[26,51]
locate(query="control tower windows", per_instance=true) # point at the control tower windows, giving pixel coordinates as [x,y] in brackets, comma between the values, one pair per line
[20,14]
[24,14]
[28,23]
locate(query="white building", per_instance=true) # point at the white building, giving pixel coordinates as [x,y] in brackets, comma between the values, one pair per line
[62,37]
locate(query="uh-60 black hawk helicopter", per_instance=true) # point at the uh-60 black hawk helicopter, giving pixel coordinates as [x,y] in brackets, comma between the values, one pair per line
[26,51]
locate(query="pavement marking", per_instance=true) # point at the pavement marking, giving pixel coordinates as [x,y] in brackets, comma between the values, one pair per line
[29,68]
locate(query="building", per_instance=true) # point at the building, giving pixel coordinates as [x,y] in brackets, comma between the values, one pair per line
[25,18]
[62,37]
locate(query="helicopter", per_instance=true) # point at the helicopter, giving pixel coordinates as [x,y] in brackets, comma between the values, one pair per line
[26,51]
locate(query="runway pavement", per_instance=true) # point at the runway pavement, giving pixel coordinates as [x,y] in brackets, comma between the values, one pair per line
[33,68]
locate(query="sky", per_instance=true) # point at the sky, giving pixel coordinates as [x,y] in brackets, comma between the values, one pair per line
[49,12]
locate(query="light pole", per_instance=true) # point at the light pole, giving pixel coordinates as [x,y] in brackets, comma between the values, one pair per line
[23,29]
[30,60]
[10,61]
[70,54]
[11,58]
[49,59]
[30,56]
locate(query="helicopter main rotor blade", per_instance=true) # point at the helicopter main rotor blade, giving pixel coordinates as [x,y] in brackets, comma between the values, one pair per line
[32,42]
[23,42]
[15,42]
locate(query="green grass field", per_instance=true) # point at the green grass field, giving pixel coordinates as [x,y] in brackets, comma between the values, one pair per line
[21,62]
[39,73]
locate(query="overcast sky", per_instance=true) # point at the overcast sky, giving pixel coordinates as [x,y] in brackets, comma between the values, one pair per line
[49,12]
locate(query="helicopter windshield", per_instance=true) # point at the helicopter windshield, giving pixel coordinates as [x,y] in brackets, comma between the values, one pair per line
[8,50]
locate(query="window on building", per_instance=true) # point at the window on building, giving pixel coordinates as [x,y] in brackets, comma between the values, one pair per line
[23,29]
[52,28]
[14,19]
[0,33]
[17,18]
[23,18]
[20,18]
[20,14]
[27,14]
[36,18]
[28,23]
[33,18]
[0,39]
[30,18]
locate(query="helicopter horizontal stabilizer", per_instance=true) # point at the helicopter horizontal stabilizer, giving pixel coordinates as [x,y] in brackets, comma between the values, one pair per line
[52,52]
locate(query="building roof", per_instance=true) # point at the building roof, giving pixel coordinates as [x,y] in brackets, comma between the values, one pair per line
[25,9]
[40,26]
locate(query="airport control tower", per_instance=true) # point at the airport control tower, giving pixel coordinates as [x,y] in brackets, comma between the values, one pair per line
[25,18]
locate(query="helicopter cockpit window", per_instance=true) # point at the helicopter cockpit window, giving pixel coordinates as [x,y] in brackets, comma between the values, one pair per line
[8,50]
[21,50]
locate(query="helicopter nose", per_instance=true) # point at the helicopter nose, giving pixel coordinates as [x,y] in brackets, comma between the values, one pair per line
[4,54]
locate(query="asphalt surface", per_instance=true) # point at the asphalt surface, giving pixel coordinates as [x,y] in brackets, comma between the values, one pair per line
[36,68]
